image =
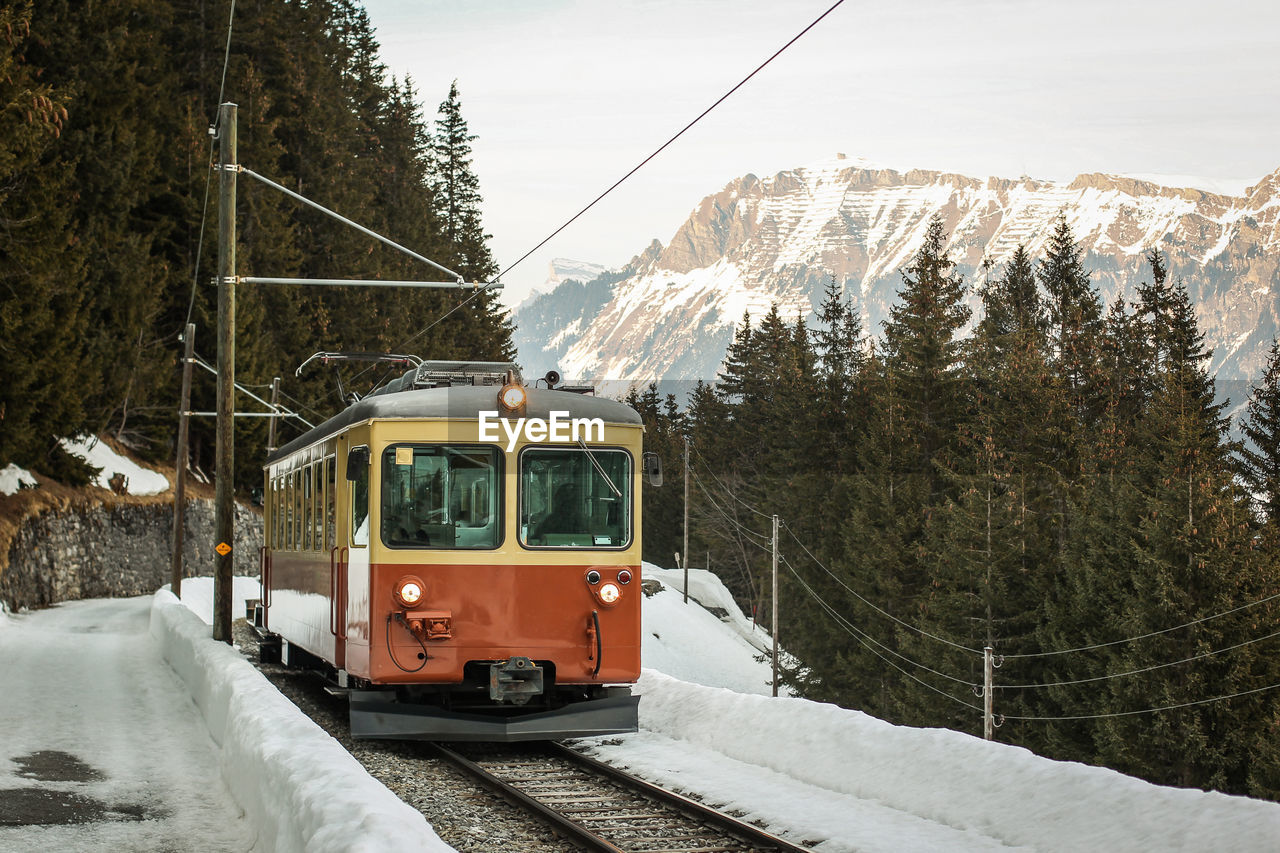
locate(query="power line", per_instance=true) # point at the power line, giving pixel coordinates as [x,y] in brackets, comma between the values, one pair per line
[1149,710]
[1147,636]
[750,534]
[867,602]
[664,145]
[1200,656]
[857,632]
[920,681]
[727,490]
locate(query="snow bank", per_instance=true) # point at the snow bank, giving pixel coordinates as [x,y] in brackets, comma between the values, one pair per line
[954,779]
[727,647]
[142,481]
[197,595]
[297,785]
[13,478]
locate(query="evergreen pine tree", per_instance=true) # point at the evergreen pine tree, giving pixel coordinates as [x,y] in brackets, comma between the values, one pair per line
[457,192]
[1260,457]
[42,316]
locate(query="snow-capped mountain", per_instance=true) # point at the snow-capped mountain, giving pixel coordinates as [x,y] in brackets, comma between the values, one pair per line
[670,314]
[560,270]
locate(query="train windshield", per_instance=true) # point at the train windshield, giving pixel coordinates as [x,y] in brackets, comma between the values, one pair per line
[441,496]
[575,499]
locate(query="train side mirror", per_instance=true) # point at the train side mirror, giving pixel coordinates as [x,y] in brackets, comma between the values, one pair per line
[357,462]
[652,468]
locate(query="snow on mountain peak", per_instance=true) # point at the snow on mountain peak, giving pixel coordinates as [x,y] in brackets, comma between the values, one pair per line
[780,239]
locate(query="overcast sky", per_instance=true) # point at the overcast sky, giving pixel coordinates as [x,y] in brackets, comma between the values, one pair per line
[566,96]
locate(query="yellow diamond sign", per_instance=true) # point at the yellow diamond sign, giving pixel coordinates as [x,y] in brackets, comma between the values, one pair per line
[223,548]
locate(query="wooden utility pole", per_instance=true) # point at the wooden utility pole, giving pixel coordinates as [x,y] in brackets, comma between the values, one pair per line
[224,512]
[180,479]
[774,621]
[686,520]
[271,424]
[988,679]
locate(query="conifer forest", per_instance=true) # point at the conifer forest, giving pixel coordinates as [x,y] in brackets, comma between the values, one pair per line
[109,219]
[1052,478]
[1059,484]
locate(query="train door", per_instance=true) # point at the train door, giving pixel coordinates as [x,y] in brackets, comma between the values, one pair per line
[326,491]
[357,489]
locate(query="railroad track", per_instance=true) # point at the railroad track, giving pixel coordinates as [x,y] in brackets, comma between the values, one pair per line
[602,808]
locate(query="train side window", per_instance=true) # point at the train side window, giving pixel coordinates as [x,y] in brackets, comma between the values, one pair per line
[308,501]
[280,523]
[359,505]
[297,510]
[331,483]
[274,514]
[316,518]
[287,516]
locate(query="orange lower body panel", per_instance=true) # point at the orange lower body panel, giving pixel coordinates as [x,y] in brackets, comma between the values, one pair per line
[546,613]
[343,610]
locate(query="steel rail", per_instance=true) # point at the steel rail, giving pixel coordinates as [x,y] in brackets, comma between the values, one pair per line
[567,828]
[692,808]
[714,821]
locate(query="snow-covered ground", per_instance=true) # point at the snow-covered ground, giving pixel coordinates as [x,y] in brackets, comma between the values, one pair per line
[141,481]
[97,731]
[299,787]
[13,478]
[816,773]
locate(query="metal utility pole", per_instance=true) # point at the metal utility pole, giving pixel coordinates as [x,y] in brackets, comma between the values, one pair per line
[224,512]
[774,621]
[180,479]
[686,520]
[988,677]
[271,425]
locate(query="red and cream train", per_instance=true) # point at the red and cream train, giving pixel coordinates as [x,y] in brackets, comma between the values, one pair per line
[463,581]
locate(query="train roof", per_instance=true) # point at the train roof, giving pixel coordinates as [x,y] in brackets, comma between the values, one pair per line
[460,402]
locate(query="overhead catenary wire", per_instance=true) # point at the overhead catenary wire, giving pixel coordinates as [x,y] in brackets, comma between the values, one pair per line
[283,412]
[678,134]
[208,176]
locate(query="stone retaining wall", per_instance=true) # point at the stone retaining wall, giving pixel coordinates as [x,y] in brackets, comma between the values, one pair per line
[115,550]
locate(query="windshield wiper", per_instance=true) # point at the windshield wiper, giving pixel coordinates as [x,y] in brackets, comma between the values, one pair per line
[617,493]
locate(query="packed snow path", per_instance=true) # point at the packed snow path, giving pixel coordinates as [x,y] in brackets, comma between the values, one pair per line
[101,747]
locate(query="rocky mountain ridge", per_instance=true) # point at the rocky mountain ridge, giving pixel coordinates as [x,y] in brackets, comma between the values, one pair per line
[670,314]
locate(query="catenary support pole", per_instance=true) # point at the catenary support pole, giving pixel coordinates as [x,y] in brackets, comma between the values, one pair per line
[774,621]
[224,508]
[988,676]
[686,520]
[271,425]
[180,463]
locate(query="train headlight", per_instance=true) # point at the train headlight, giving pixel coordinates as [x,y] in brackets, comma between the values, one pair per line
[512,399]
[609,593]
[408,592]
